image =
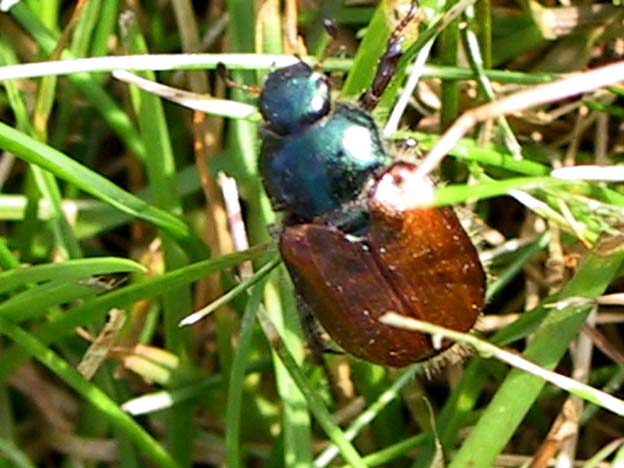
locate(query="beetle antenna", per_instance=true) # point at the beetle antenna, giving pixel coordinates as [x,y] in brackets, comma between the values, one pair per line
[388,62]
[230,83]
[330,28]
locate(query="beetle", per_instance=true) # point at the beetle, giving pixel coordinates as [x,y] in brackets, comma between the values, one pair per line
[353,241]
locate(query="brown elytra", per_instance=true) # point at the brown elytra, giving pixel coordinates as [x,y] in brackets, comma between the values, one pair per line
[418,262]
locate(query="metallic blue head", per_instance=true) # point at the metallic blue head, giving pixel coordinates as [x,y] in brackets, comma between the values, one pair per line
[293,98]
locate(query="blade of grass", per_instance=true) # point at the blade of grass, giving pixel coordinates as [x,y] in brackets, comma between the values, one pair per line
[371,48]
[483,29]
[456,194]
[485,86]
[65,241]
[34,152]
[32,195]
[442,16]
[502,417]
[366,416]
[315,404]
[69,271]
[488,350]
[392,452]
[93,217]
[84,27]
[176,303]
[37,301]
[594,275]
[491,155]
[164,399]
[46,185]
[242,61]
[232,293]
[97,308]
[13,454]
[89,87]
[161,169]
[233,410]
[92,394]
[104,28]
[449,39]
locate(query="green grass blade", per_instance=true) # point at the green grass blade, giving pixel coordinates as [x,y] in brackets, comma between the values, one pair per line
[92,394]
[69,270]
[548,344]
[104,104]
[34,152]
[233,413]
[97,308]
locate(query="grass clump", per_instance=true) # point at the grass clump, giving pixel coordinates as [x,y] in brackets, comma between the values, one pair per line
[123,213]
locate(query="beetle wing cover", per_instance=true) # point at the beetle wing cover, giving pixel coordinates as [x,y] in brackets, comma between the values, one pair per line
[429,258]
[342,282]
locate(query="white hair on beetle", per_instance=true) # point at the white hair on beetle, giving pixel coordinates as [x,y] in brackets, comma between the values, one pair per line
[404,190]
